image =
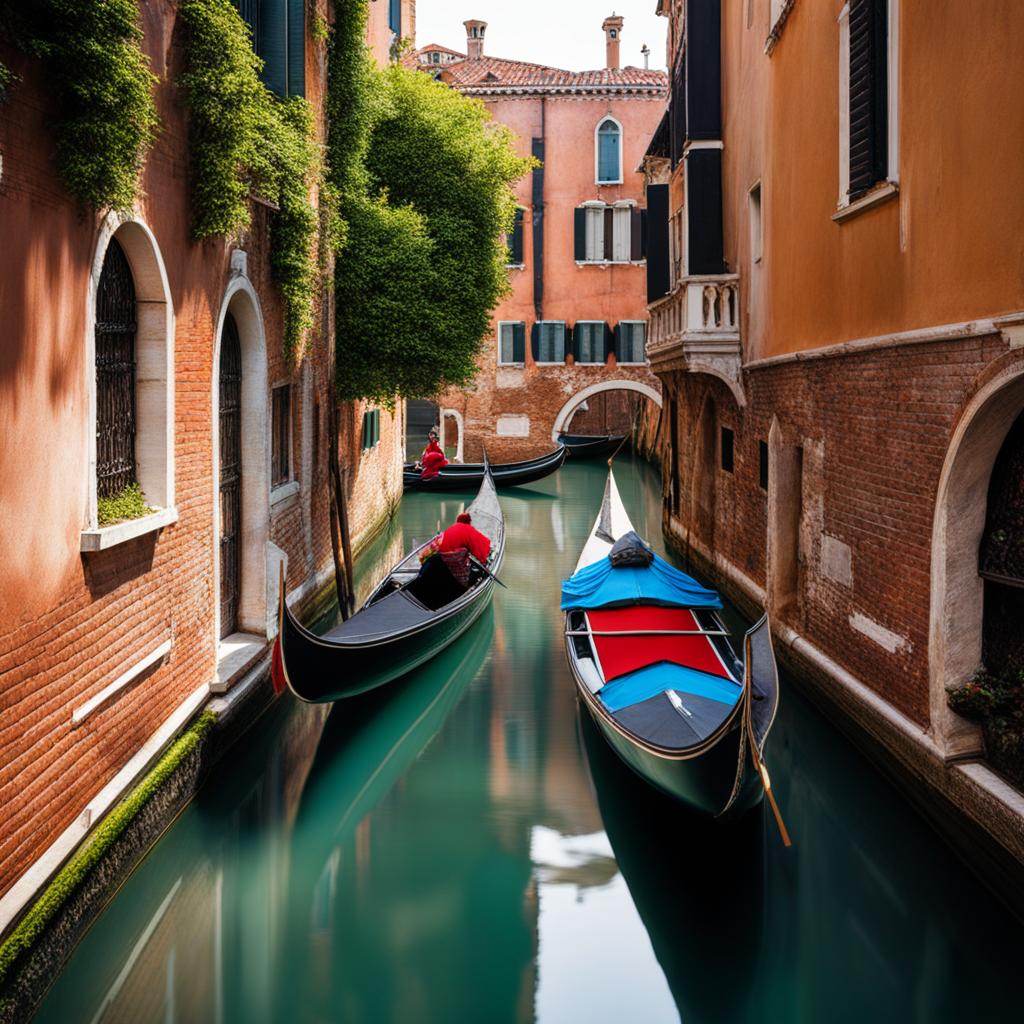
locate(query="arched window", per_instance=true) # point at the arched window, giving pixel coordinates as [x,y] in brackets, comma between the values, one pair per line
[115,375]
[609,152]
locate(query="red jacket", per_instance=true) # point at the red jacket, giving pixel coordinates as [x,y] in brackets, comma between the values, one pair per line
[464,536]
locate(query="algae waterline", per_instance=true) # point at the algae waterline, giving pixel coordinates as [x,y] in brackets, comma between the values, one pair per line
[462,847]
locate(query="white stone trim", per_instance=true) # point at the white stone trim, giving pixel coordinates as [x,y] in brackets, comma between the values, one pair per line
[241,300]
[102,537]
[459,423]
[920,336]
[597,150]
[154,351]
[878,195]
[565,413]
[39,874]
[81,713]
[236,654]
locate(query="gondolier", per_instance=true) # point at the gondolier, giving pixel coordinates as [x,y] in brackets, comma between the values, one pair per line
[447,560]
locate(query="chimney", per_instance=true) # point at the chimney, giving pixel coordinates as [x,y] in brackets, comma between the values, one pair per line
[475,38]
[613,33]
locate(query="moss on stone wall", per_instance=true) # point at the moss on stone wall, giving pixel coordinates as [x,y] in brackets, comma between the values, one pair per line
[71,876]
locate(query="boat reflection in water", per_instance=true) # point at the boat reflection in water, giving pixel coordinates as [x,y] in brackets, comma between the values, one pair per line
[696,883]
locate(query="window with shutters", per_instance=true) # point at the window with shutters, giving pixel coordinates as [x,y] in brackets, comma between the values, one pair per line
[610,234]
[281,435]
[550,344]
[514,241]
[371,429]
[278,30]
[868,81]
[630,336]
[589,341]
[609,152]
[395,16]
[512,343]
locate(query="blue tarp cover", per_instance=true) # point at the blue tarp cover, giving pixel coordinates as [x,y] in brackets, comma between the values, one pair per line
[649,682]
[599,585]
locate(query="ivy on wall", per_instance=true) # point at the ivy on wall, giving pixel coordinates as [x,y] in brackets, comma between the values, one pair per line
[246,142]
[107,117]
[425,181]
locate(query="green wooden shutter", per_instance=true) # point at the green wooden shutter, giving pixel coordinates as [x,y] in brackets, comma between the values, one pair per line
[519,342]
[274,32]
[636,233]
[535,342]
[580,234]
[296,48]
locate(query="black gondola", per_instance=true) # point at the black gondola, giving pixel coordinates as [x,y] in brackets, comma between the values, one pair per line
[591,446]
[654,667]
[465,477]
[406,621]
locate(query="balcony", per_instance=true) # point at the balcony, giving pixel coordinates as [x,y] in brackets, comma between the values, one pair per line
[696,329]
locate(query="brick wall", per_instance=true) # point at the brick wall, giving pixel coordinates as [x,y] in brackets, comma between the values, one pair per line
[874,428]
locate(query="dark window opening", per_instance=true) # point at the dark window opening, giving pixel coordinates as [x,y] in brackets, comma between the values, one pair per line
[281,423]
[869,94]
[727,449]
[115,375]
[763,468]
[515,240]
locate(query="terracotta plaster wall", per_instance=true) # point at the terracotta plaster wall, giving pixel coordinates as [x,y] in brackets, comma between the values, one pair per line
[947,249]
[571,292]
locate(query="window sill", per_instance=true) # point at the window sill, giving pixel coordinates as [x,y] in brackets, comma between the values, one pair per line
[879,194]
[515,266]
[283,492]
[373,447]
[103,537]
[548,362]
[617,181]
[511,366]
[611,263]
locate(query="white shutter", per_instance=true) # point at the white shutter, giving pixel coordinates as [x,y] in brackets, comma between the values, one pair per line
[621,235]
[595,233]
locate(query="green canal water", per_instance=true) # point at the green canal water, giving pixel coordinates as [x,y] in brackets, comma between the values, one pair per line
[463,847]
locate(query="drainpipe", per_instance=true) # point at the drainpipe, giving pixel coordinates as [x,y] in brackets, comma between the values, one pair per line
[538,218]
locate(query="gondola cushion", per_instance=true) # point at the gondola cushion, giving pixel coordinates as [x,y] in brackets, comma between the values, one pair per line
[620,655]
[649,682]
[657,721]
[598,586]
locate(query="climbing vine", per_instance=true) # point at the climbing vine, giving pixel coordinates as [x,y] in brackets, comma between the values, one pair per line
[246,142]
[425,185]
[107,116]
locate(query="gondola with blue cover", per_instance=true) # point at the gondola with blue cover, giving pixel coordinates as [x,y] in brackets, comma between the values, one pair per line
[654,667]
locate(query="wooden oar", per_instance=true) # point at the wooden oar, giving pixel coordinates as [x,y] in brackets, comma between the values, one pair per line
[762,770]
[487,572]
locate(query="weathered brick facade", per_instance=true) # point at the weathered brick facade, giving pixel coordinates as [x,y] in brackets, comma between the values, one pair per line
[76,621]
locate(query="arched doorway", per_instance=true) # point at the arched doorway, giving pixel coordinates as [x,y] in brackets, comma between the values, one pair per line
[1001,559]
[958,590]
[230,423]
[241,460]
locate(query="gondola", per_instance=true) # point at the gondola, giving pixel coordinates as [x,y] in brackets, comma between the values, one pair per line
[591,446]
[653,665]
[464,477]
[404,622]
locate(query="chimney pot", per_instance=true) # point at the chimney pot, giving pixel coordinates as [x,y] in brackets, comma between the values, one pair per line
[613,36]
[475,38]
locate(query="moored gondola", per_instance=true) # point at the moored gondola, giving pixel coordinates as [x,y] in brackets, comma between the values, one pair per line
[404,622]
[654,667]
[464,477]
[591,446]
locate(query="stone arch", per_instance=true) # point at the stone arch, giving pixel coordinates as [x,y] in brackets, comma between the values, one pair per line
[957,591]
[241,301]
[154,357]
[565,413]
[459,431]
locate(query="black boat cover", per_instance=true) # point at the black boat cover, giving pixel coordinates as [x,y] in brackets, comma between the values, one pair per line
[656,720]
[391,614]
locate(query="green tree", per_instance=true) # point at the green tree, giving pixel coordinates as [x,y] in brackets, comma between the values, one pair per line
[425,179]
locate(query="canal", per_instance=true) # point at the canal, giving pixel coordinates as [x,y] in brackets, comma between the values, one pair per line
[463,847]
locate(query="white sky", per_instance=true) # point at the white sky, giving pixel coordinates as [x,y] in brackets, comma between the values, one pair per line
[560,33]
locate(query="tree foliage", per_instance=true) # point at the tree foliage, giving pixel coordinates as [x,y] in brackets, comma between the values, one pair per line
[103,86]
[245,141]
[425,182]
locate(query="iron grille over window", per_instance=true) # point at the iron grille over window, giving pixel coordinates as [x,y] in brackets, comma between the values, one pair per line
[281,423]
[115,375]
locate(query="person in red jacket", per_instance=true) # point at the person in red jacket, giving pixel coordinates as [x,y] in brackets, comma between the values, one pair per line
[432,461]
[446,561]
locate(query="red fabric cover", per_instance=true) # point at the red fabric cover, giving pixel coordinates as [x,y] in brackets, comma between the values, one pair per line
[464,536]
[277,669]
[433,462]
[622,655]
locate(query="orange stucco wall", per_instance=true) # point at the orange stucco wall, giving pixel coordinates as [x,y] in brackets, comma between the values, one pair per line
[948,248]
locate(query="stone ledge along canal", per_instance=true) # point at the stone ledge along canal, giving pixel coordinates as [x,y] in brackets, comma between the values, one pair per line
[462,846]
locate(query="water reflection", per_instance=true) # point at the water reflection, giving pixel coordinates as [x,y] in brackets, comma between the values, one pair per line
[462,846]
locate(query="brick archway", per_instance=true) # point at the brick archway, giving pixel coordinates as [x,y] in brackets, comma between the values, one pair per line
[567,410]
[957,591]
